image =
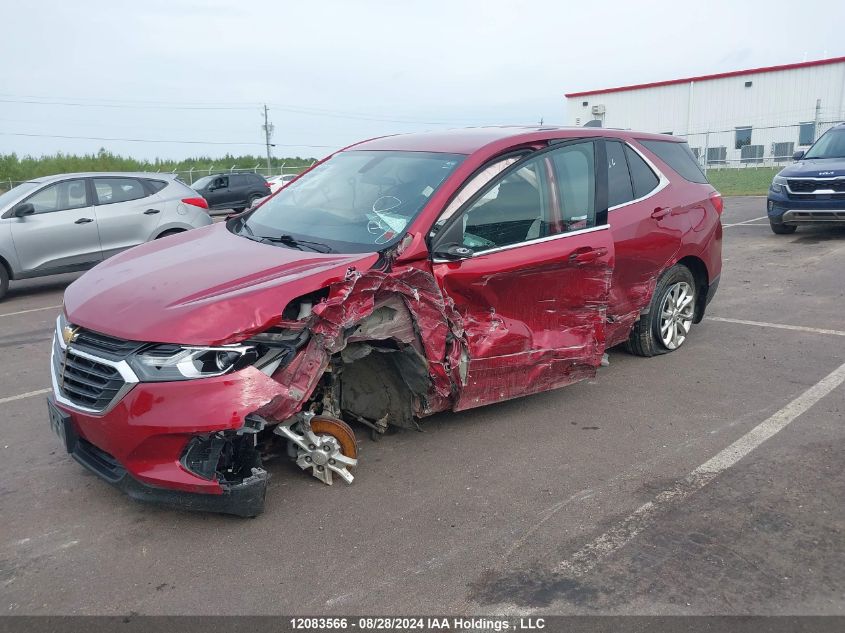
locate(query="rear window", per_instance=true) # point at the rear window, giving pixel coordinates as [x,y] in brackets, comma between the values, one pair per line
[679,157]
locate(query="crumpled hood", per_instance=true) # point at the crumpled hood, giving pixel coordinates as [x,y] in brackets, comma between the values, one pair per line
[815,168]
[205,286]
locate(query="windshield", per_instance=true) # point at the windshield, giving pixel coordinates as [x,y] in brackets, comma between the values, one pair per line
[202,182]
[830,145]
[355,202]
[16,192]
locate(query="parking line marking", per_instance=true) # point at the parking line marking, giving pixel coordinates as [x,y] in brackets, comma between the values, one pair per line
[591,554]
[21,396]
[32,310]
[762,217]
[779,326]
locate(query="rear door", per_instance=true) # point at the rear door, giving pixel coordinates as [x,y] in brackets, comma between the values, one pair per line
[128,212]
[648,226]
[62,234]
[532,284]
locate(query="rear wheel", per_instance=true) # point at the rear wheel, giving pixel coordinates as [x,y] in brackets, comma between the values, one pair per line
[170,232]
[781,228]
[252,200]
[666,324]
[4,281]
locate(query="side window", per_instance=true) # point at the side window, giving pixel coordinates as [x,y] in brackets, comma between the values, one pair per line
[473,186]
[619,188]
[65,195]
[643,179]
[221,182]
[155,185]
[510,212]
[679,157]
[112,190]
[575,173]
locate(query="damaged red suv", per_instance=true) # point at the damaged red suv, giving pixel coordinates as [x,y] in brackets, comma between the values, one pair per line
[399,277]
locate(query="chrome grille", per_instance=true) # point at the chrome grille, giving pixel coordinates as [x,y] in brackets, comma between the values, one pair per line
[91,374]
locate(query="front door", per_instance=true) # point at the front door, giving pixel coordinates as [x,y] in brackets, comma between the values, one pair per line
[530,275]
[61,236]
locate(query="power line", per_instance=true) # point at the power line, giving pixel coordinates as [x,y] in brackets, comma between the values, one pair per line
[306,110]
[150,140]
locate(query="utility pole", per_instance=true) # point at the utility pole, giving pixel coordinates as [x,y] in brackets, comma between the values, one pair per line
[268,132]
[816,121]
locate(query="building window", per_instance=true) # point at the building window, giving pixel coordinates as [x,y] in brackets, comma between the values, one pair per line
[585,103]
[748,84]
[806,133]
[743,137]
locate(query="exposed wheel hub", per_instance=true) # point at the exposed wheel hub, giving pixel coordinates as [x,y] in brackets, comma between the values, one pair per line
[325,445]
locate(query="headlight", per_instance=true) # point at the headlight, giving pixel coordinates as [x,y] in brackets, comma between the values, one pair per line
[167,362]
[778,184]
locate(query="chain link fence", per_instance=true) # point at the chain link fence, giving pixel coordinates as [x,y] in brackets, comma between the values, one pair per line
[757,146]
[190,176]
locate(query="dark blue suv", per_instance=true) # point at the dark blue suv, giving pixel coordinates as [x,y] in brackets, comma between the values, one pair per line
[812,189]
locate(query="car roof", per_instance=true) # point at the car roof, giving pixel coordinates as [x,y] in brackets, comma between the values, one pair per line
[106,174]
[469,140]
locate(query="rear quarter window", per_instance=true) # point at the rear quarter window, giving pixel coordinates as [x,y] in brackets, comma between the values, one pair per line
[679,157]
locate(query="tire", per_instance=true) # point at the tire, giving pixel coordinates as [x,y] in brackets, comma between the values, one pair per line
[782,229]
[251,201]
[4,280]
[646,338]
[170,232]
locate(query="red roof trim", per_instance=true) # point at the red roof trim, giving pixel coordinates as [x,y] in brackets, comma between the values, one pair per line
[733,73]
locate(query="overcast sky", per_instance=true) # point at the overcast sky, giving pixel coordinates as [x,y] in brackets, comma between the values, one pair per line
[335,71]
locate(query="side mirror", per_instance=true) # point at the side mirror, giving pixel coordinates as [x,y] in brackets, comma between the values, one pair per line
[798,155]
[24,209]
[453,252]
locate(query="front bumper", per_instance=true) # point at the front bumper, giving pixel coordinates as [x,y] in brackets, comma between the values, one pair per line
[138,442]
[783,208]
[246,498]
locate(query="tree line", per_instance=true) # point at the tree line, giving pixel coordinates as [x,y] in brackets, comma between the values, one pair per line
[15,169]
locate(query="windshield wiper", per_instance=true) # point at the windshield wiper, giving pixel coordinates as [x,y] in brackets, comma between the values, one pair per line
[290,240]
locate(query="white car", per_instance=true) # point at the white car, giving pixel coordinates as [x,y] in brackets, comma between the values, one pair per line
[277,182]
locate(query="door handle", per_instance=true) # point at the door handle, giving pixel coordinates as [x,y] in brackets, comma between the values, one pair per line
[660,212]
[587,254]
[151,211]
[83,221]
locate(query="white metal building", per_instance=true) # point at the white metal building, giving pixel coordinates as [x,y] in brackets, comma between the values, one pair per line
[738,118]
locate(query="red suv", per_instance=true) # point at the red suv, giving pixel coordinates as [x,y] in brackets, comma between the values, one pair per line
[399,277]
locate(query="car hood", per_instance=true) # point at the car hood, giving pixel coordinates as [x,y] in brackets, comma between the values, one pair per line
[202,287]
[815,168]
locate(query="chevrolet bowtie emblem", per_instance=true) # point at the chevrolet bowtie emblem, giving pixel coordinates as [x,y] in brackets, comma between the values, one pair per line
[69,334]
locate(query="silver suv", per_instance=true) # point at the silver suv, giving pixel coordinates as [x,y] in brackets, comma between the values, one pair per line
[71,222]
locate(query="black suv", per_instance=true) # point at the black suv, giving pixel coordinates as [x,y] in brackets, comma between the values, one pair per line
[232,191]
[813,189]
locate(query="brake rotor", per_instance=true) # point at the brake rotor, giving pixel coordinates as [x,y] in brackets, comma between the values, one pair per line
[324,445]
[340,431]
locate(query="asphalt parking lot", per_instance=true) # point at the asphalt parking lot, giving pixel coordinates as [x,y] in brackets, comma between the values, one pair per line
[639,492]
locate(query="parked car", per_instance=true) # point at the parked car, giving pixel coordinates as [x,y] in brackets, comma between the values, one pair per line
[812,190]
[232,191]
[398,278]
[71,222]
[277,182]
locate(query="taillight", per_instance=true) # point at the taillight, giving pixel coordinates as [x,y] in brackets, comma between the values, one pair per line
[197,202]
[267,184]
[718,203]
